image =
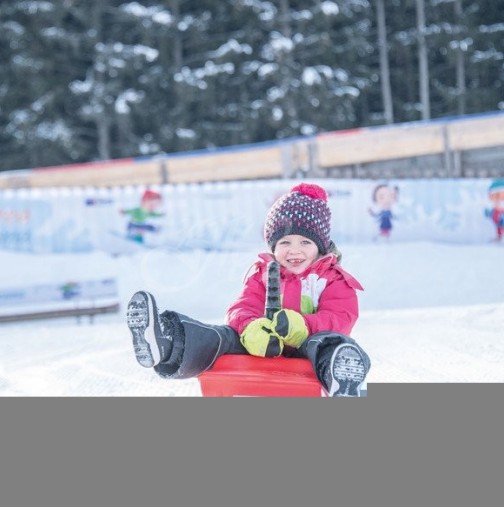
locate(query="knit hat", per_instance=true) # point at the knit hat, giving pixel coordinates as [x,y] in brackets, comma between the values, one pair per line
[496,186]
[302,211]
[151,195]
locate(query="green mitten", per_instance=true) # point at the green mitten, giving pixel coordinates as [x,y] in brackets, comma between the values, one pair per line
[290,327]
[259,340]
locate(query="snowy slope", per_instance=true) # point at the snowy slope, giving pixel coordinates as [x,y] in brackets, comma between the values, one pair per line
[430,313]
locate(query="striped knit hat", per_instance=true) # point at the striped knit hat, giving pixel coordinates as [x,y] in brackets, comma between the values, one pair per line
[303,211]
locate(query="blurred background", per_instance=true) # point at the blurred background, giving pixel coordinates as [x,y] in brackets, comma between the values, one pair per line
[87,80]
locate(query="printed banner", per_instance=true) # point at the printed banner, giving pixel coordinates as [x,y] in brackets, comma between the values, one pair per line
[230,216]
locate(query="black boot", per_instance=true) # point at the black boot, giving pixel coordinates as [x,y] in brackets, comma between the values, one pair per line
[174,344]
[339,362]
[152,339]
[196,346]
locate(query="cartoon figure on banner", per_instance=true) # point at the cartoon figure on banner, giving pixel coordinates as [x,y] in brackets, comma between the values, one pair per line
[496,213]
[70,290]
[138,225]
[384,197]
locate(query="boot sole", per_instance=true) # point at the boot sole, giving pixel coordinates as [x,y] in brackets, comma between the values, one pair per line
[348,370]
[141,315]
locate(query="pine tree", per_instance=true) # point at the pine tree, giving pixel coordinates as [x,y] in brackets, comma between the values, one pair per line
[87,80]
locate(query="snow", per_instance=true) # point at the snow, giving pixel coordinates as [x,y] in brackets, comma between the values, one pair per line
[430,312]
[329,8]
[302,15]
[267,69]
[157,14]
[497,27]
[278,44]
[310,76]
[195,77]
[54,130]
[125,98]
[490,54]
[231,46]
[78,87]
[185,133]
[34,7]
[150,54]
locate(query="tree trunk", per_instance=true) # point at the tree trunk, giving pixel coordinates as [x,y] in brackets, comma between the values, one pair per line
[103,127]
[460,64]
[422,60]
[286,64]
[384,63]
[177,41]
[100,118]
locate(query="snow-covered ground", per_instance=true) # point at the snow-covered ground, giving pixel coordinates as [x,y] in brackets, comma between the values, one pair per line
[431,312]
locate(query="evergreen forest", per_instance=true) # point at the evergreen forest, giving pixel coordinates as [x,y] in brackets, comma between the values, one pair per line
[88,80]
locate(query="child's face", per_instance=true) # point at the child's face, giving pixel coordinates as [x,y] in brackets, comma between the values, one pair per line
[296,253]
[151,204]
[385,197]
[497,198]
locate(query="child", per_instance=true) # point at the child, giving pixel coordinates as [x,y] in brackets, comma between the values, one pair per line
[319,307]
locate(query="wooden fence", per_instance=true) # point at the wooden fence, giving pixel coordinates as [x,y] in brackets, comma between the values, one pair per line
[311,156]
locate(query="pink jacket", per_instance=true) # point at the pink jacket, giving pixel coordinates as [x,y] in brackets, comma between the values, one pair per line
[324,294]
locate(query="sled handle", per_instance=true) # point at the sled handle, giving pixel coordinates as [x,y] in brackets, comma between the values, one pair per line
[273,303]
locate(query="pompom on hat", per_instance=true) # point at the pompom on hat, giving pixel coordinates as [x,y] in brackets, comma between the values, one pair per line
[303,211]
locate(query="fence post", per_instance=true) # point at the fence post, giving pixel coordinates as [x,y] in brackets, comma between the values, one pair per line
[447,151]
[164,172]
[312,156]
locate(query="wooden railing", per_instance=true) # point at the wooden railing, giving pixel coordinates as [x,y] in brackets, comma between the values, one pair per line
[306,156]
[408,140]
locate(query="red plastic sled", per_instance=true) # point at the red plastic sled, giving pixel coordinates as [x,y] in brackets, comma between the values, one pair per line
[242,375]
